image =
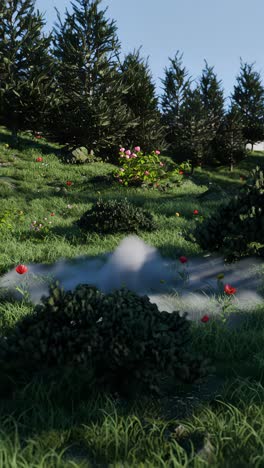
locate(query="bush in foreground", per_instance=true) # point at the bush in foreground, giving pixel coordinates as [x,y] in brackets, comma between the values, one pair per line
[121,340]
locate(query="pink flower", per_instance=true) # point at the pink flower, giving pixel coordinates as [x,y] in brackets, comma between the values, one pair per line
[183,259]
[133,155]
[205,318]
[157,152]
[21,269]
[161,164]
[128,152]
[122,150]
[146,173]
[120,181]
[127,156]
[137,148]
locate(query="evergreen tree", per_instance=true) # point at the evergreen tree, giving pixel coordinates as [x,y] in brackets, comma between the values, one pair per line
[212,94]
[89,110]
[25,66]
[142,102]
[212,97]
[248,100]
[197,130]
[176,87]
[229,144]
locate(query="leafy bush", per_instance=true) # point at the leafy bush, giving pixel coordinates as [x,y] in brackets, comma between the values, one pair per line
[121,339]
[237,226]
[148,170]
[116,216]
[138,168]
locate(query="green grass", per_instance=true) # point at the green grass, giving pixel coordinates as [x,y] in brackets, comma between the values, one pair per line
[53,422]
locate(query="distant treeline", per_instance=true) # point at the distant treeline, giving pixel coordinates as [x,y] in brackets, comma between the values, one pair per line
[73,86]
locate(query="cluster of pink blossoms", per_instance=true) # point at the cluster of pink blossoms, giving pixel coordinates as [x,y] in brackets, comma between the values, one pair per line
[128,155]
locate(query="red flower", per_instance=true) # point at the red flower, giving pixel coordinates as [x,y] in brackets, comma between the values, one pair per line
[52,214]
[195,212]
[181,172]
[229,289]
[205,318]
[21,269]
[183,259]
[39,159]
[69,183]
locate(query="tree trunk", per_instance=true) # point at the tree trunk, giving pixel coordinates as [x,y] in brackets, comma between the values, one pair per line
[252,146]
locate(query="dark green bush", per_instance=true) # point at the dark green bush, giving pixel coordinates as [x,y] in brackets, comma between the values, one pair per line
[237,227]
[112,216]
[121,339]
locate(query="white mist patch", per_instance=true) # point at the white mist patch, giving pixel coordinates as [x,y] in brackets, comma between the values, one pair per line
[135,265]
[140,267]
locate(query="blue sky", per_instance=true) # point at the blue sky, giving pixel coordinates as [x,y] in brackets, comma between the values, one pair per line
[220,31]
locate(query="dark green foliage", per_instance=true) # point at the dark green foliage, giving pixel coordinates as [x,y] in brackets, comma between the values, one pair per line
[112,216]
[146,130]
[25,67]
[88,110]
[212,97]
[198,129]
[248,100]
[237,227]
[176,86]
[122,340]
[228,145]
[212,94]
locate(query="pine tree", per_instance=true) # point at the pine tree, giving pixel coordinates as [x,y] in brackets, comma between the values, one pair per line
[142,101]
[25,66]
[212,97]
[89,110]
[212,94]
[248,100]
[196,128]
[229,144]
[176,87]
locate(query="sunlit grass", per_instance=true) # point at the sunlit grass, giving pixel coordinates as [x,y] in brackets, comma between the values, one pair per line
[53,422]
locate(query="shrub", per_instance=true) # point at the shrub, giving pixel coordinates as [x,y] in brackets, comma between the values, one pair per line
[137,168]
[116,216]
[121,339]
[237,226]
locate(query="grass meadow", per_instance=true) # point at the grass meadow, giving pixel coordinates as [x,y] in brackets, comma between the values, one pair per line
[51,423]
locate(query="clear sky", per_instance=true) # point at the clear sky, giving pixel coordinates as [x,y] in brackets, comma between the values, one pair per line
[220,31]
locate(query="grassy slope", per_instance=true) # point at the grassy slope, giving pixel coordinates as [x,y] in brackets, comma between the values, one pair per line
[39,422]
